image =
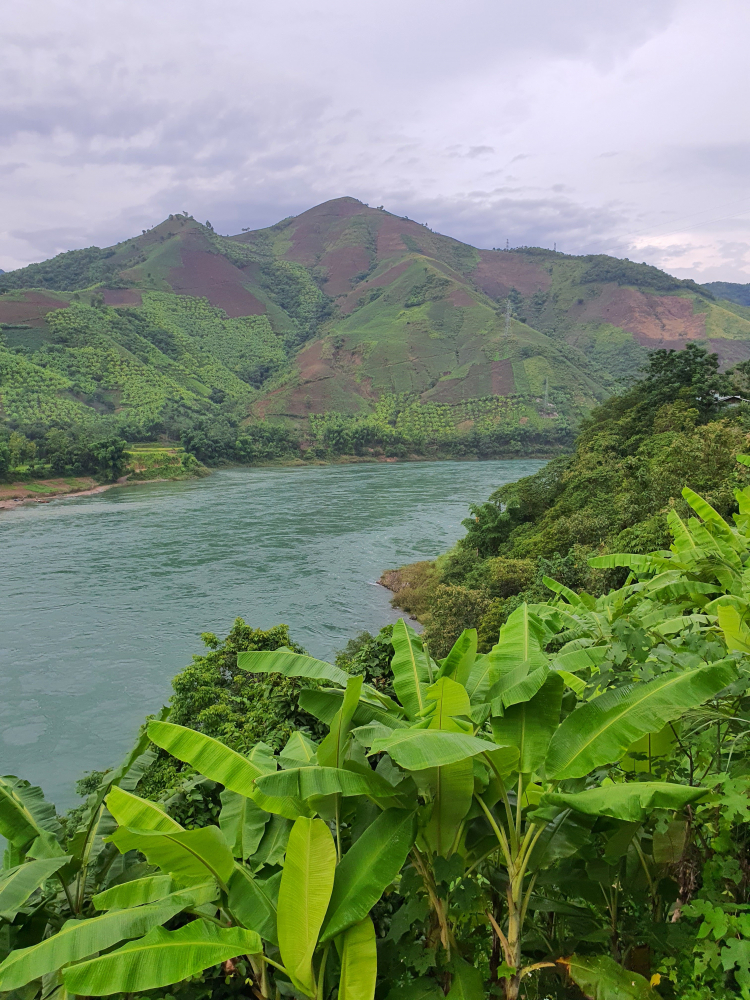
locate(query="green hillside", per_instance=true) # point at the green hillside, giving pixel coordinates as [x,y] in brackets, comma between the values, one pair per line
[345,329]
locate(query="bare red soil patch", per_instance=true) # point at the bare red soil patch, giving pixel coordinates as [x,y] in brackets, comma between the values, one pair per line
[212,276]
[503,383]
[31,310]
[498,272]
[460,297]
[122,297]
[342,265]
[648,317]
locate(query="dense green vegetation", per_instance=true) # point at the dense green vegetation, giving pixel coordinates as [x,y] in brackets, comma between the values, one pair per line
[345,331]
[563,816]
[614,493]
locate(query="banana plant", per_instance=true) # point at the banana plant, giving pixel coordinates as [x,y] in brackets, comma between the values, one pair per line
[270,885]
[494,763]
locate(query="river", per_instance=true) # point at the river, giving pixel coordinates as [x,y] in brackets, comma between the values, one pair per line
[103,598]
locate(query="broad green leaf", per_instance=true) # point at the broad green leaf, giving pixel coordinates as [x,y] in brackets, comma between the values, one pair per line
[19,883]
[284,661]
[80,938]
[467,982]
[368,868]
[326,703]
[134,893]
[207,755]
[304,894]
[130,810]
[272,847]
[520,641]
[459,662]
[27,819]
[480,679]
[304,782]
[412,670]
[629,802]
[220,763]
[706,511]
[561,590]
[417,749]
[186,854]
[600,731]
[242,822]
[530,725]
[652,745]
[561,838]
[160,959]
[299,751]
[517,686]
[359,962]
[253,902]
[446,699]
[580,659]
[626,560]
[452,790]
[332,751]
[736,632]
[599,977]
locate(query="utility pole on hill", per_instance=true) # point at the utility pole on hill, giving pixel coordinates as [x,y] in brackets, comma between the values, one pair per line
[546,393]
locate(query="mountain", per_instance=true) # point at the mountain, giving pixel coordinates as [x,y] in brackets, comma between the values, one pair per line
[731,291]
[341,317]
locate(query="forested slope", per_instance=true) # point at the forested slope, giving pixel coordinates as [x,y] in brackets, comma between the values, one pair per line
[613,494]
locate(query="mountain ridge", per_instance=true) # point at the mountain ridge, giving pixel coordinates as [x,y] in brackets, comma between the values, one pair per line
[343,309]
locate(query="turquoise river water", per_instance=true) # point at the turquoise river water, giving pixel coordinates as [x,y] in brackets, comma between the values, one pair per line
[103,598]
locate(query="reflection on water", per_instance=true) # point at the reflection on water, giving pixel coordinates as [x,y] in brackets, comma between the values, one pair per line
[103,598]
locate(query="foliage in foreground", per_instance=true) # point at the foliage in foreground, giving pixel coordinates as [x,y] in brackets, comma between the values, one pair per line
[566,814]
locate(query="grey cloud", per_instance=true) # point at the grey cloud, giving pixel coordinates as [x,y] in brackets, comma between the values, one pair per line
[126,111]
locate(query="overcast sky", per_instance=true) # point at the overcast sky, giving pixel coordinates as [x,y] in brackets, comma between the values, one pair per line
[617,127]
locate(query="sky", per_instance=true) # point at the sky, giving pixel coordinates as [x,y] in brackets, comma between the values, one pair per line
[617,127]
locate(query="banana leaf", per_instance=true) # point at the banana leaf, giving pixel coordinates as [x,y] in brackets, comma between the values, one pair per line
[242,822]
[418,989]
[27,820]
[459,662]
[368,868]
[629,802]
[80,938]
[299,751]
[599,977]
[332,750]
[186,854]
[304,782]
[324,704]
[17,884]
[134,893]
[160,959]
[304,894]
[452,790]
[530,725]
[446,699]
[221,764]
[600,731]
[272,846]
[130,810]
[284,661]
[359,962]
[412,668]
[253,902]
[416,749]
